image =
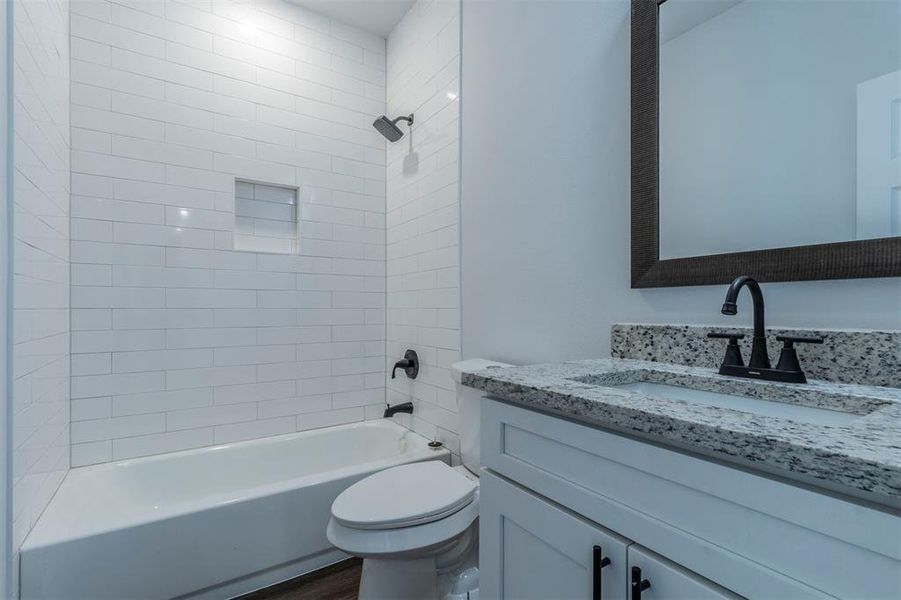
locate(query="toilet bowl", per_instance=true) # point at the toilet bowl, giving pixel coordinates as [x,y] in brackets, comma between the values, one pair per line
[416,525]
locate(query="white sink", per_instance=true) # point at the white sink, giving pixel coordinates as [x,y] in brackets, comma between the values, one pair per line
[795,412]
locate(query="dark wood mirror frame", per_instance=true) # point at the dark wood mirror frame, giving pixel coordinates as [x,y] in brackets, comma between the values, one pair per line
[841,260]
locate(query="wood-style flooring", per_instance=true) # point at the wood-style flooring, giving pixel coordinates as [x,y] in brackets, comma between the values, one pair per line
[340,581]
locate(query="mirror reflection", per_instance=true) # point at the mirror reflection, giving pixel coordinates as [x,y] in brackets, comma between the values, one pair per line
[780,123]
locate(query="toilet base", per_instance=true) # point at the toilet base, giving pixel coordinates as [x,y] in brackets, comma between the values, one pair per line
[445,575]
[400,579]
[414,580]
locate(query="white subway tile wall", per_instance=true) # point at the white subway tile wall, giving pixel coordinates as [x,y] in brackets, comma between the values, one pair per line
[423,215]
[40,402]
[265,218]
[178,340]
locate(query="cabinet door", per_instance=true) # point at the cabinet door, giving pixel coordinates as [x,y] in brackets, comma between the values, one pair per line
[533,549]
[652,577]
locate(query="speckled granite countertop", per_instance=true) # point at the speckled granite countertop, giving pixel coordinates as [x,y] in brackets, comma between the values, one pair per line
[861,457]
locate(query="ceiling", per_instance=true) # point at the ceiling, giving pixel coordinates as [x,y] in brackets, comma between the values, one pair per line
[375,16]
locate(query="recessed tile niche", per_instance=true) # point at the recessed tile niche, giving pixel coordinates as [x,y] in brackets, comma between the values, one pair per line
[265,218]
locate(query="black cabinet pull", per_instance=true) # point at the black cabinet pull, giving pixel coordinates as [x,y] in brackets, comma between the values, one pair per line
[638,584]
[598,562]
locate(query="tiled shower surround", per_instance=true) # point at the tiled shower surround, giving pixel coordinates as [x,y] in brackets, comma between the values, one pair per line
[40,401]
[178,340]
[423,215]
[181,337]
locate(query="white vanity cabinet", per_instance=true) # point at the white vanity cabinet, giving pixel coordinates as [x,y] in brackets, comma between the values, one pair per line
[652,577]
[533,549]
[552,489]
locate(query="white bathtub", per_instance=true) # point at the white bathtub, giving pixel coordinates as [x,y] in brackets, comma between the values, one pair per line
[209,523]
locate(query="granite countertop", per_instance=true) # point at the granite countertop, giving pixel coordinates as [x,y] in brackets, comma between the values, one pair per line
[861,457]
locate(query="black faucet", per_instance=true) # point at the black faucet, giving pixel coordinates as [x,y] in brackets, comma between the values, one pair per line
[405,407]
[760,359]
[788,369]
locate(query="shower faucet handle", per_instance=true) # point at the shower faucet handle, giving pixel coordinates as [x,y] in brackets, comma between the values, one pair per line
[409,363]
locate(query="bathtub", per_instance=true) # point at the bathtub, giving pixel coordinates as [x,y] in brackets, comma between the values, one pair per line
[209,523]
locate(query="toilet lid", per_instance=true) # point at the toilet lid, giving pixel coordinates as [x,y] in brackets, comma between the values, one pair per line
[404,496]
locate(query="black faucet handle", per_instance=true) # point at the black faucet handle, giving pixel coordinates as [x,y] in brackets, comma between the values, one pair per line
[733,351]
[726,335]
[789,341]
[788,358]
[409,363]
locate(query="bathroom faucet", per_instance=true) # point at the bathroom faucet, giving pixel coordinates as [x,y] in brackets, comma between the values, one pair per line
[759,357]
[788,369]
[405,407]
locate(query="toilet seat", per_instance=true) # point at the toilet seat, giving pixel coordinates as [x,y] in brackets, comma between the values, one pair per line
[404,496]
[403,541]
[406,509]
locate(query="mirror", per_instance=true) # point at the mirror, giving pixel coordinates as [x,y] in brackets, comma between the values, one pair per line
[774,117]
[778,126]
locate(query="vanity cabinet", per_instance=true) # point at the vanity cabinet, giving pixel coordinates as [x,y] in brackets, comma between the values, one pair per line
[657,579]
[552,489]
[534,549]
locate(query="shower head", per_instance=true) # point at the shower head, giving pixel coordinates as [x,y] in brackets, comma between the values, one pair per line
[389,128]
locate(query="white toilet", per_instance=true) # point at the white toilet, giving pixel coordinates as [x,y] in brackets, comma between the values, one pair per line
[416,525]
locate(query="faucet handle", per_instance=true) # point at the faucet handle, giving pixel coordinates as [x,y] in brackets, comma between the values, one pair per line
[733,351]
[409,363]
[788,358]
[730,335]
[789,341]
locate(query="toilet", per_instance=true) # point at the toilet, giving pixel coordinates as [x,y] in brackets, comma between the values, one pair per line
[416,525]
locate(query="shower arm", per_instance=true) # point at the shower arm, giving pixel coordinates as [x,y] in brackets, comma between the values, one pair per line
[408,119]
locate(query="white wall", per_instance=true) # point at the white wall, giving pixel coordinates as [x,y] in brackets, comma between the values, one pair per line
[545,196]
[178,341]
[41,259]
[423,212]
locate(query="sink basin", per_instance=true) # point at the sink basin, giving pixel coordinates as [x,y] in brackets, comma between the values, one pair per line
[784,410]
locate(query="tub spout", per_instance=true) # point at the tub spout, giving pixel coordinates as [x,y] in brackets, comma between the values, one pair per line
[406,407]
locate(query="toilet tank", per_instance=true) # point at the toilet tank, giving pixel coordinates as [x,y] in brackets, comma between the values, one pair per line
[468,400]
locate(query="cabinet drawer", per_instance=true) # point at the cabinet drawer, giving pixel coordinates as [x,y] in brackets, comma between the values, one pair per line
[668,581]
[533,549]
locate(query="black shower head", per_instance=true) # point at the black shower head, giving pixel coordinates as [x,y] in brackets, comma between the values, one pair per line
[389,128]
